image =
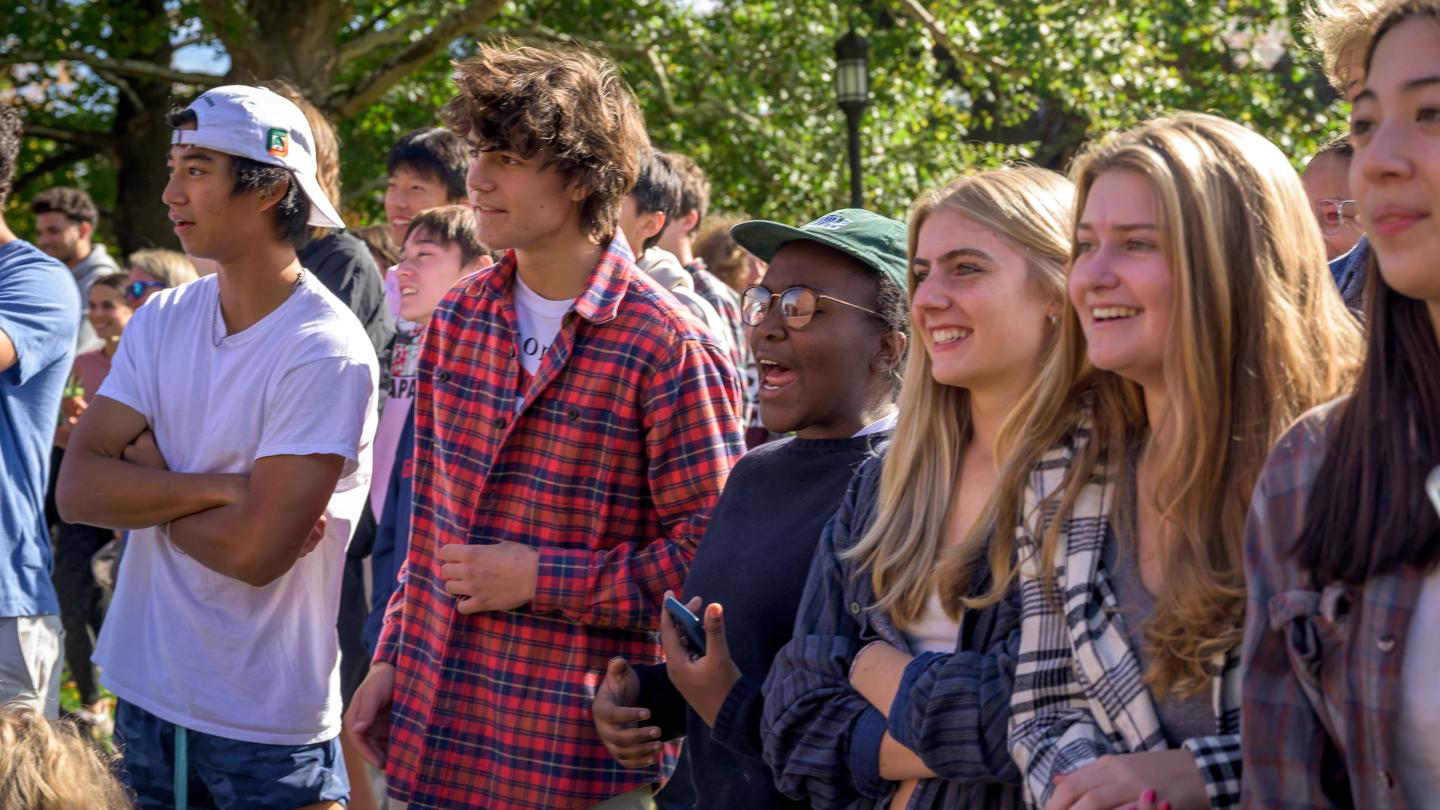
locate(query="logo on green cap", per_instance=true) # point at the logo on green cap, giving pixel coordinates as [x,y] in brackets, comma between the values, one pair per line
[829,222]
[277,142]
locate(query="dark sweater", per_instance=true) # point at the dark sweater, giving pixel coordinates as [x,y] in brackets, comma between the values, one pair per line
[753,559]
[344,265]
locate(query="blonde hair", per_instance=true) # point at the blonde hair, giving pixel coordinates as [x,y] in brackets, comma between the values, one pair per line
[43,767]
[1259,335]
[902,551]
[1342,29]
[168,267]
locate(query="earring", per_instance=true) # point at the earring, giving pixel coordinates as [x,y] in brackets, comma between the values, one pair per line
[1054,318]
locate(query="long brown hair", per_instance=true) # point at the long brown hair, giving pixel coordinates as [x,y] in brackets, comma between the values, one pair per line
[1259,335]
[1368,514]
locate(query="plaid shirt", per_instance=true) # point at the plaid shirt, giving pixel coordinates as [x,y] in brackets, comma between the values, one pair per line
[609,463]
[1322,668]
[822,738]
[1079,686]
[727,302]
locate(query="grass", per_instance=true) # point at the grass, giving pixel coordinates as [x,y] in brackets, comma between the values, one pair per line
[70,702]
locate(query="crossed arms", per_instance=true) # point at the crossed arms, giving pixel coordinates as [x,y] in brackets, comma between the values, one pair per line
[249,527]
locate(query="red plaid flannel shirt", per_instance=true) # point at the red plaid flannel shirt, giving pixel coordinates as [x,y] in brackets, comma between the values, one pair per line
[610,467]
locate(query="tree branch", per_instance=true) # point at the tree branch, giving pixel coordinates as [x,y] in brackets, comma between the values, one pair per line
[94,141]
[62,158]
[957,50]
[133,68]
[535,32]
[369,39]
[123,86]
[348,102]
[198,39]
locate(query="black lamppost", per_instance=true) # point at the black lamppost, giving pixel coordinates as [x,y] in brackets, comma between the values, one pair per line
[852,90]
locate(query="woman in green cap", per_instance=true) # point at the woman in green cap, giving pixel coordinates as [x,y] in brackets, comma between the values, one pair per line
[829,332]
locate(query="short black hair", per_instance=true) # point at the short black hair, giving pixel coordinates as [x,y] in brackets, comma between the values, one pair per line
[115,281]
[292,213]
[657,189]
[1338,146]
[694,187]
[74,203]
[10,132]
[432,152]
[892,303]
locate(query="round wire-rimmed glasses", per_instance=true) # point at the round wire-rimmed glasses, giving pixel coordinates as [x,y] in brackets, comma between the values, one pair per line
[797,305]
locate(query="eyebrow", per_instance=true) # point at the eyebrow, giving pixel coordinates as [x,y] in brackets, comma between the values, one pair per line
[1126,228]
[958,253]
[189,155]
[1408,87]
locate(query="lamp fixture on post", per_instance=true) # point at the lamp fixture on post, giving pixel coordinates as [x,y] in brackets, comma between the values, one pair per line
[852,90]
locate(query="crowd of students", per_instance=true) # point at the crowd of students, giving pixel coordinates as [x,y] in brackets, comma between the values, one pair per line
[1114,490]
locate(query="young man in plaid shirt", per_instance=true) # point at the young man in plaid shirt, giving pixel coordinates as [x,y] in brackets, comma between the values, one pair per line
[573,428]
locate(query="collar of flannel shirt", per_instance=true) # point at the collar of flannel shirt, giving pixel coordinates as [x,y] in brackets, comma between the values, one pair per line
[603,290]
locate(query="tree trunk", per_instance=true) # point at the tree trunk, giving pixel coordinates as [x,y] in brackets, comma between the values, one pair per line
[283,39]
[140,136]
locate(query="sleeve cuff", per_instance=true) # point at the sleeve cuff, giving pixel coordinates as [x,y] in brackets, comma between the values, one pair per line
[1218,759]
[898,722]
[863,755]
[668,709]
[737,725]
[555,568]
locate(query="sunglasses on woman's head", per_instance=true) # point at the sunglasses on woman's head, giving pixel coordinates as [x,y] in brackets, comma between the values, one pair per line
[797,305]
[136,290]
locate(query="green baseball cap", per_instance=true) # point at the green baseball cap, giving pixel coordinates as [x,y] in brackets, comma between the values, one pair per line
[875,241]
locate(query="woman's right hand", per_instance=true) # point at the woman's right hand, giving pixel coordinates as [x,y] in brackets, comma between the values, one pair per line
[617,718]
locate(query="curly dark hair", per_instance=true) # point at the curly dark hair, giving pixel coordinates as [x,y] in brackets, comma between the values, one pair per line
[10,132]
[74,203]
[569,106]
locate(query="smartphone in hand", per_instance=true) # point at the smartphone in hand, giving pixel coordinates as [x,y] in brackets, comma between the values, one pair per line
[691,628]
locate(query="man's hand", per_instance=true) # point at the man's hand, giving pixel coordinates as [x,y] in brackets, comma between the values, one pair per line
[494,576]
[316,535]
[145,452]
[368,721]
[617,719]
[1115,782]
[704,680]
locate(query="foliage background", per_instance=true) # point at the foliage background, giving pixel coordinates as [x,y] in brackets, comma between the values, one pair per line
[744,87]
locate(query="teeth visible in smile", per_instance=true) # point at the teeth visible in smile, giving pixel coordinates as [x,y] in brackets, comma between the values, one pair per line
[943,336]
[1111,313]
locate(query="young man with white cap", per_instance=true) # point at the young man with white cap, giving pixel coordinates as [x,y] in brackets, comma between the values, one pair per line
[232,438]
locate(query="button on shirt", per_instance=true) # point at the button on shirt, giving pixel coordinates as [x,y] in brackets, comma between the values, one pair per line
[610,468]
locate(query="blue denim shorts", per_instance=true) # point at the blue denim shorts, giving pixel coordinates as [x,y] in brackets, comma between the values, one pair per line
[224,773]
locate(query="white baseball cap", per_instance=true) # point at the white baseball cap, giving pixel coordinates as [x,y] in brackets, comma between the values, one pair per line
[255,123]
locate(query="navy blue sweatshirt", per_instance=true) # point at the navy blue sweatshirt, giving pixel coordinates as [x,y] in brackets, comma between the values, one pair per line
[753,559]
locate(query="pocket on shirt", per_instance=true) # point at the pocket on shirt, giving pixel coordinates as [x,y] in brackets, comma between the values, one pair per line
[1314,625]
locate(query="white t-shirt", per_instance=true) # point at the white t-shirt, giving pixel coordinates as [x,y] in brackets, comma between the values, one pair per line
[539,322]
[1417,723]
[190,645]
[935,631]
